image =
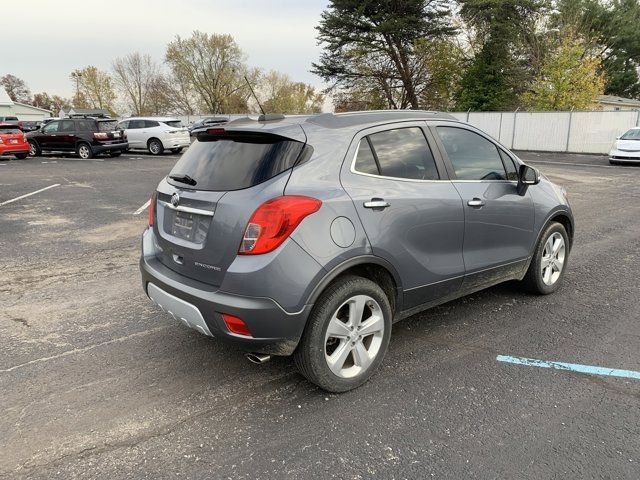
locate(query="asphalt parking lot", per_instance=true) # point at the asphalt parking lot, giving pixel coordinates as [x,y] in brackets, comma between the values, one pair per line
[95,382]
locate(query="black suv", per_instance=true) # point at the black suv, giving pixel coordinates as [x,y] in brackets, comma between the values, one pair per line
[84,136]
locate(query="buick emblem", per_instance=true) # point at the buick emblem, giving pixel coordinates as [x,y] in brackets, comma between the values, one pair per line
[175,199]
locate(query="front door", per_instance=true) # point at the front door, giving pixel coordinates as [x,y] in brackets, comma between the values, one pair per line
[46,137]
[498,218]
[65,139]
[411,212]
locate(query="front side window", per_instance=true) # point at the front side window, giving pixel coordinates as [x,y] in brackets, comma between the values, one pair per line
[398,153]
[509,166]
[136,124]
[51,127]
[124,125]
[473,157]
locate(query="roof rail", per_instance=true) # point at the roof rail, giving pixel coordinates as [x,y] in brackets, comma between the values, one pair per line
[348,119]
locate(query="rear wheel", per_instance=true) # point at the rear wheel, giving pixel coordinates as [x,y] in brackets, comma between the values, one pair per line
[155,146]
[84,151]
[21,156]
[347,335]
[549,261]
[176,150]
[34,150]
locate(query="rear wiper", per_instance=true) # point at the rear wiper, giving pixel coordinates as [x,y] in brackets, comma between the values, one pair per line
[183,179]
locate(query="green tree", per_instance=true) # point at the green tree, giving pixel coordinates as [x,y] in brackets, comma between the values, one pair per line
[441,63]
[497,73]
[55,103]
[95,89]
[611,27]
[213,67]
[569,79]
[370,45]
[282,95]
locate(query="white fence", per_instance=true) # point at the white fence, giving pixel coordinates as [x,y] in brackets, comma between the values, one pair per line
[575,132]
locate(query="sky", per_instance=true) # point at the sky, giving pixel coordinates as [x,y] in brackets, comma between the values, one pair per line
[58,36]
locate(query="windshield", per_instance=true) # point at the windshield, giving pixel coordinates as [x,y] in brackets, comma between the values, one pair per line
[107,126]
[633,134]
[235,161]
[9,131]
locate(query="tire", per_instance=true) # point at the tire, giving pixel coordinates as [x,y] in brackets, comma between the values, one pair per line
[155,146]
[538,279]
[21,156]
[115,154]
[34,150]
[335,307]
[83,150]
[176,150]
[613,162]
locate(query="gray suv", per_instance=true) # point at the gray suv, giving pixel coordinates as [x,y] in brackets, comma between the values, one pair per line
[312,235]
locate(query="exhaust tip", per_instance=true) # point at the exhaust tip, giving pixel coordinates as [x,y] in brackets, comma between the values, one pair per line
[258,358]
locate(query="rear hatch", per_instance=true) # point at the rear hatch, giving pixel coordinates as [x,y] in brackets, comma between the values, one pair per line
[204,205]
[11,135]
[108,132]
[177,129]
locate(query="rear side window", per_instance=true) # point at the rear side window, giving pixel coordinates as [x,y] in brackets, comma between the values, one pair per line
[86,125]
[403,153]
[108,126]
[174,123]
[365,161]
[236,161]
[150,124]
[473,156]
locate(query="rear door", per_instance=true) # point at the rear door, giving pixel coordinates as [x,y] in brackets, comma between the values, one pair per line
[66,137]
[411,212]
[135,134]
[201,221]
[499,219]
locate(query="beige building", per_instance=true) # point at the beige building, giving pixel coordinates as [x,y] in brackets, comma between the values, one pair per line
[611,102]
[29,113]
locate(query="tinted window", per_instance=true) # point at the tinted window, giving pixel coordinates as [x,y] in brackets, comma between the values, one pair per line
[404,153]
[365,161]
[633,134]
[86,125]
[51,127]
[8,131]
[108,126]
[236,161]
[133,124]
[150,124]
[473,156]
[174,123]
[67,126]
[509,165]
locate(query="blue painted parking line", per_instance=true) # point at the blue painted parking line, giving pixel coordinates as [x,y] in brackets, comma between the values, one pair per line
[573,367]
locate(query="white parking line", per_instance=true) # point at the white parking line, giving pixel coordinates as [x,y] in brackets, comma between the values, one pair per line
[142,208]
[7,202]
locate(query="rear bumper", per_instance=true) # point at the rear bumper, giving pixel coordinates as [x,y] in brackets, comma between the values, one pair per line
[200,306]
[178,142]
[112,147]
[7,150]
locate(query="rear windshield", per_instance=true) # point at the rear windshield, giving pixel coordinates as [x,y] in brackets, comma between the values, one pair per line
[107,126]
[631,135]
[9,131]
[235,161]
[174,123]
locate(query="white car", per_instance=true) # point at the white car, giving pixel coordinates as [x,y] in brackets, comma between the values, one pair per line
[626,148]
[156,134]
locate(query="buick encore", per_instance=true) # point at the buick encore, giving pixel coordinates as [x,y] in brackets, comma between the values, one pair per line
[310,236]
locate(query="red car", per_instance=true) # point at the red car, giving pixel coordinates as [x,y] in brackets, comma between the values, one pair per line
[13,142]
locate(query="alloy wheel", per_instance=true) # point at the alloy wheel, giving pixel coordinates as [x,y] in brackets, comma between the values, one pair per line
[553,257]
[354,336]
[32,149]
[84,152]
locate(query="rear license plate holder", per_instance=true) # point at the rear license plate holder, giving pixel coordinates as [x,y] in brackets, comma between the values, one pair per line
[183,225]
[13,141]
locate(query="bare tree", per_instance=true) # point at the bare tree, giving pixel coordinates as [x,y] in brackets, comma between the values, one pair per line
[137,75]
[16,88]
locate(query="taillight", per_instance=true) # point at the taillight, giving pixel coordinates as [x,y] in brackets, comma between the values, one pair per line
[236,325]
[274,221]
[216,131]
[152,206]
[100,135]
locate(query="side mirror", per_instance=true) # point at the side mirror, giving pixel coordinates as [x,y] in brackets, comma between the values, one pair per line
[528,175]
[618,137]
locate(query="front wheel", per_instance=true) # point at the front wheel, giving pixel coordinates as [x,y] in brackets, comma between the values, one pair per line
[34,151]
[549,261]
[155,147]
[347,335]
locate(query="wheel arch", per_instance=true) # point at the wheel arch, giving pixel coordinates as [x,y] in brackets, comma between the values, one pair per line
[368,266]
[564,218]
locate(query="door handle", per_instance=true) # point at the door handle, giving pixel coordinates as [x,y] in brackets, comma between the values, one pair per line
[476,203]
[376,203]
